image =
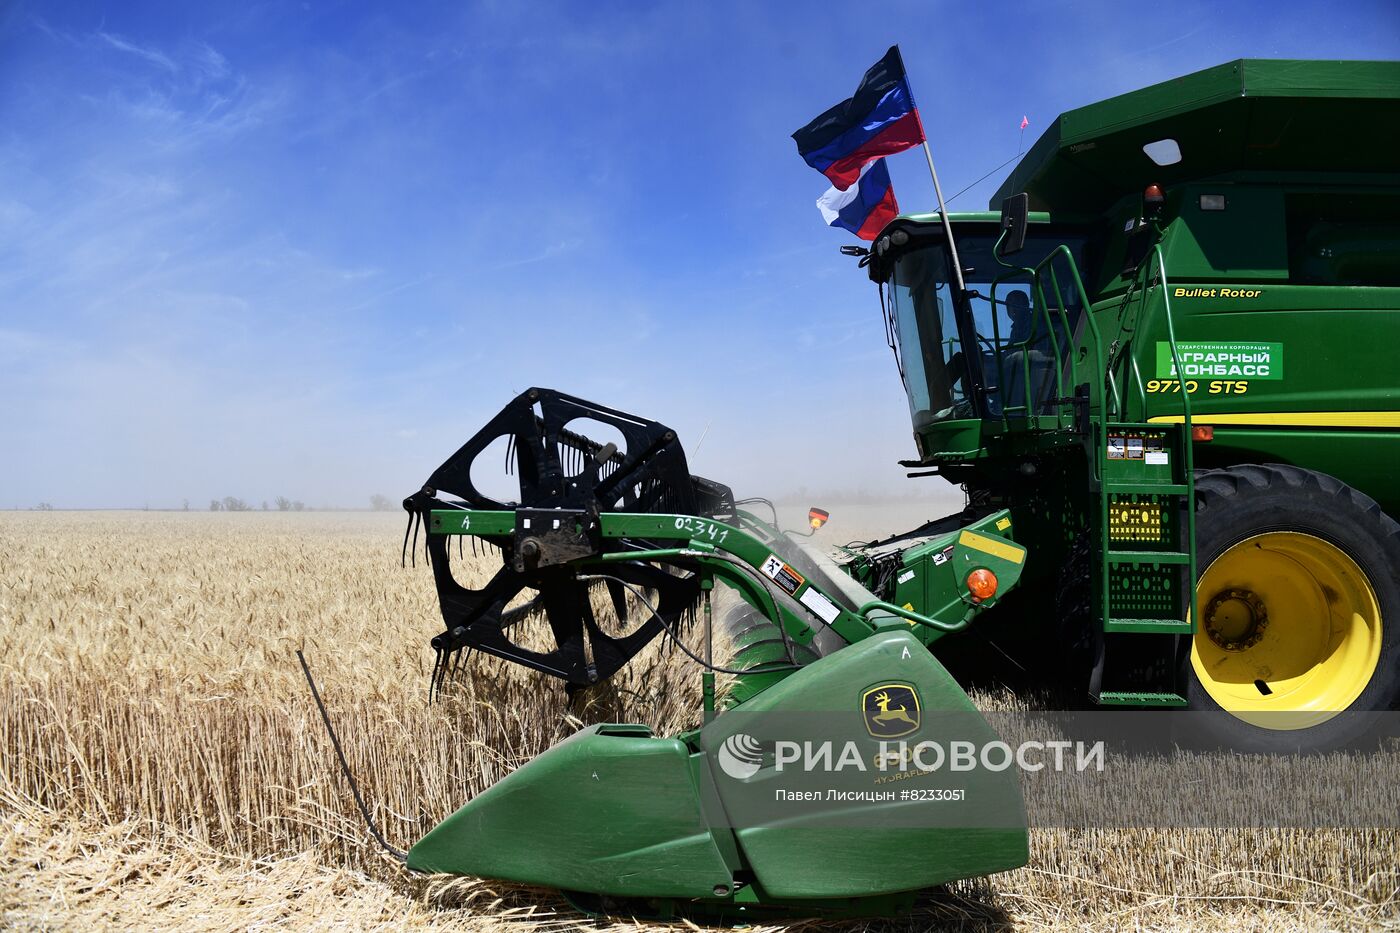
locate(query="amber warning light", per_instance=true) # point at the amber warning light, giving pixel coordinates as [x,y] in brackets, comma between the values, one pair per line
[982,584]
[817,517]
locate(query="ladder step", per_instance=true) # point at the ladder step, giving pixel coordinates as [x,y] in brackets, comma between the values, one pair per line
[1153,626]
[1167,489]
[1115,698]
[1148,557]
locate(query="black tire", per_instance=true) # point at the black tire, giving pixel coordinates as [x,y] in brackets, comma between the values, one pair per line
[1239,502]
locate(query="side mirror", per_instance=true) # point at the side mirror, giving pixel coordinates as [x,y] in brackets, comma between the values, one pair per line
[1013,223]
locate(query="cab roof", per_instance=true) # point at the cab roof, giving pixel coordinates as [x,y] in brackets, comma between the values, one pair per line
[1245,115]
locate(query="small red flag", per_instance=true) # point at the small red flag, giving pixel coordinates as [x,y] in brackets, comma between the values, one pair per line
[1024,122]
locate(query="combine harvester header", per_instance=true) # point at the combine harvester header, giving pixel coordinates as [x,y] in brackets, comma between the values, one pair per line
[628,822]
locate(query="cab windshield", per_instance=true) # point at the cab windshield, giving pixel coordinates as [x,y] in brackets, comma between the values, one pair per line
[1019,349]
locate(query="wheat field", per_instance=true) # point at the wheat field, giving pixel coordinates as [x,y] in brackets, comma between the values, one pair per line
[165,768]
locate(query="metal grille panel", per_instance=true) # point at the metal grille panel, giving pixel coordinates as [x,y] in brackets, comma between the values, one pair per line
[1144,591]
[1141,521]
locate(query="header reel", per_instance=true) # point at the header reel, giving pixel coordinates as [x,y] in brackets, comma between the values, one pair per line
[566,480]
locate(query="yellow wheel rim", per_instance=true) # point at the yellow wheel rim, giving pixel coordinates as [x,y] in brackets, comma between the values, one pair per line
[1290,630]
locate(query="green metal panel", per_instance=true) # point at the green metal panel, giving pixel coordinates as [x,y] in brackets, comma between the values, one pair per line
[932,574]
[827,846]
[1257,114]
[1331,398]
[1368,460]
[1246,242]
[613,810]
[1336,346]
[610,810]
[961,439]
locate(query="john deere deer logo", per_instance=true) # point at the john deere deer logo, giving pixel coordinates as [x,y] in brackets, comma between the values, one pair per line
[891,710]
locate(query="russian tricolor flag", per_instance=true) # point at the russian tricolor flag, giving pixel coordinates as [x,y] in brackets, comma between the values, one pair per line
[865,207]
[879,120]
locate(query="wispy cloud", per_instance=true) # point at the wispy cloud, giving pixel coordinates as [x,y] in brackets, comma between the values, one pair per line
[550,251]
[147,54]
[378,297]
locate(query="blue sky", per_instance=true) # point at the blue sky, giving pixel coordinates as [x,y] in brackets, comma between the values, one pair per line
[307,249]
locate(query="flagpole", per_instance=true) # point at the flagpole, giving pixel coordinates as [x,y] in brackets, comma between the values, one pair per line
[937,188]
[943,213]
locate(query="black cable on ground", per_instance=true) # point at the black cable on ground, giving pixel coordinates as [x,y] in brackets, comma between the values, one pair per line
[399,854]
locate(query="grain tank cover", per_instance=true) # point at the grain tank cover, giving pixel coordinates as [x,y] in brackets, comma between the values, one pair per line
[1246,115]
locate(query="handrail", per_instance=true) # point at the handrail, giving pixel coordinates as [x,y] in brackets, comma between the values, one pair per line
[996,341]
[1109,396]
[1137,379]
[1054,338]
[1089,317]
[1141,282]
[1187,441]
[1171,337]
[914,617]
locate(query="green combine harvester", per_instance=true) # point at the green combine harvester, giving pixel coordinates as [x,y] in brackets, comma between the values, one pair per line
[1166,376]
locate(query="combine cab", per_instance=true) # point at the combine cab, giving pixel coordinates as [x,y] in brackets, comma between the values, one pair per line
[1164,378]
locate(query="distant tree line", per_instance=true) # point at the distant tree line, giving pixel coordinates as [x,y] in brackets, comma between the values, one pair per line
[235,504]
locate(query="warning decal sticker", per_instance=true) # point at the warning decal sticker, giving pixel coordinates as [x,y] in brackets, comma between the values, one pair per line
[783,574]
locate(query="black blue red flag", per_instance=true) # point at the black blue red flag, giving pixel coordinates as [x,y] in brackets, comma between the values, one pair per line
[880,119]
